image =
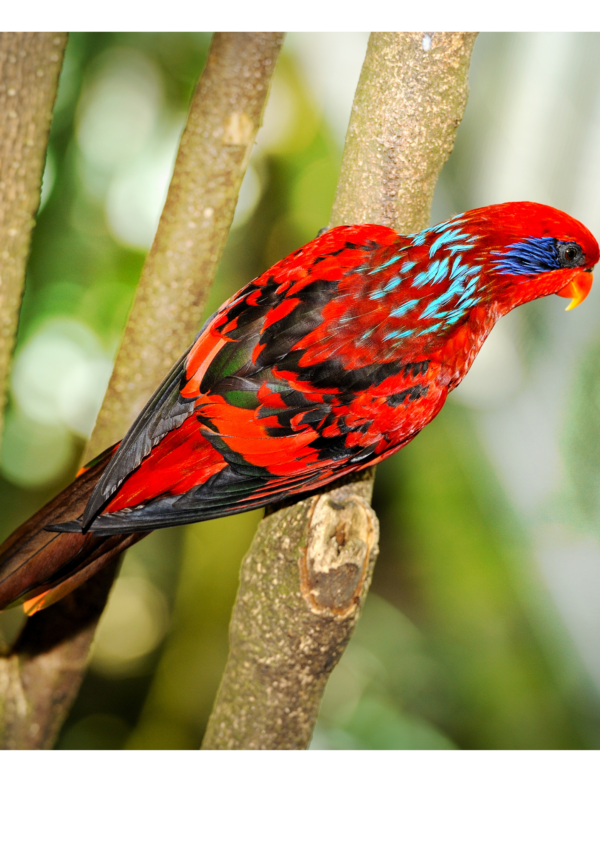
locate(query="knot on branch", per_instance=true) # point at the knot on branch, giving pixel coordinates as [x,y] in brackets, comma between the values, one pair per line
[342,542]
[239,129]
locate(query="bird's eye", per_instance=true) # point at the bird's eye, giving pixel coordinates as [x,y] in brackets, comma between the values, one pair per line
[570,255]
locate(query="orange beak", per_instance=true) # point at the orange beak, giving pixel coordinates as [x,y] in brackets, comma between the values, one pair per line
[578,288]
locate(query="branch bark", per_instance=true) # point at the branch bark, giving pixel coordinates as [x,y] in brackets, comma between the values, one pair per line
[307,573]
[41,678]
[30,64]
[215,149]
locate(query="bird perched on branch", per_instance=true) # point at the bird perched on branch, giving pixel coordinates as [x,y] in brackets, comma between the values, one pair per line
[332,360]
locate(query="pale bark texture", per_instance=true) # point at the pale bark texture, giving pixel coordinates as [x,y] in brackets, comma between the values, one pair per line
[41,678]
[306,575]
[30,64]
[215,149]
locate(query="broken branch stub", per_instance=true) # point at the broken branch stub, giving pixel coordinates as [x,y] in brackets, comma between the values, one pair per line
[342,541]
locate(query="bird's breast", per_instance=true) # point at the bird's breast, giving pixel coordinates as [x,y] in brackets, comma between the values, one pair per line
[459,349]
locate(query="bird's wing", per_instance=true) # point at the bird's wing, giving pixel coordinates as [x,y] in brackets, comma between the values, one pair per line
[165,411]
[268,402]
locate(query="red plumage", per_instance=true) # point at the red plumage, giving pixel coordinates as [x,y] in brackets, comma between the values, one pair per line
[330,361]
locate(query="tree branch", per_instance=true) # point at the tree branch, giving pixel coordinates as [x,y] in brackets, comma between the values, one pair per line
[215,149]
[306,575]
[39,681]
[30,64]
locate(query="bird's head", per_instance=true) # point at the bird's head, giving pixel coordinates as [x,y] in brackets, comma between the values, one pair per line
[478,266]
[529,250]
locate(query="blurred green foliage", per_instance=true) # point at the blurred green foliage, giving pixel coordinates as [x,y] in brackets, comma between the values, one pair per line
[460,644]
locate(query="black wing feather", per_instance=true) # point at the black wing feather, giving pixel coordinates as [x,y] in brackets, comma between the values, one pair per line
[165,411]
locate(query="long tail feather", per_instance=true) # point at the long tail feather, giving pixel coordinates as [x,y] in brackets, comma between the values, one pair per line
[40,566]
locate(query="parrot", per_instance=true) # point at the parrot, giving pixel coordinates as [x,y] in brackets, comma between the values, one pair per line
[329,362]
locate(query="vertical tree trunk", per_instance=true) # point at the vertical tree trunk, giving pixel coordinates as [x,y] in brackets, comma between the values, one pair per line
[215,149]
[306,575]
[30,64]
[42,676]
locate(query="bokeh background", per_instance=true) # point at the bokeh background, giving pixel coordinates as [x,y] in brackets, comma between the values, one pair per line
[482,627]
